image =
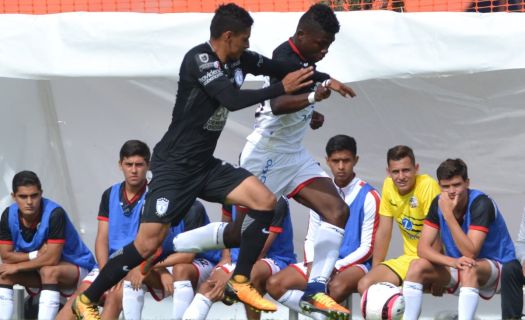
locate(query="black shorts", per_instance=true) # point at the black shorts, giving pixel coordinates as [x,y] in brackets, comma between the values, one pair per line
[174,188]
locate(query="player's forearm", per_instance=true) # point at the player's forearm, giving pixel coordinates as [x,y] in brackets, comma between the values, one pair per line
[14,257]
[429,253]
[234,99]
[289,103]
[39,262]
[176,258]
[463,242]
[102,254]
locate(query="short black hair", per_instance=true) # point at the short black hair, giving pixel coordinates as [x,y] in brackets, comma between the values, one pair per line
[320,15]
[132,148]
[229,17]
[26,178]
[341,142]
[399,152]
[451,168]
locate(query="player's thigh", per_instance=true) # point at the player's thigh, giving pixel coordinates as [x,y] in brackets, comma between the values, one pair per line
[29,279]
[150,237]
[380,273]
[228,184]
[293,277]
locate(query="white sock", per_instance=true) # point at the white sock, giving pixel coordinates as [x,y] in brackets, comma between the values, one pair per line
[132,301]
[208,237]
[182,297]
[326,251]
[48,304]
[413,293]
[6,303]
[199,308]
[468,303]
[291,300]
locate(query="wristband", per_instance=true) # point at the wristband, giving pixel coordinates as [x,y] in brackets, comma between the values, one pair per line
[327,83]
[33,254]
[311,97]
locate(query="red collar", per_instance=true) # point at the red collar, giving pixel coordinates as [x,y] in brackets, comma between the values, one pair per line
[135,197]
[294,49]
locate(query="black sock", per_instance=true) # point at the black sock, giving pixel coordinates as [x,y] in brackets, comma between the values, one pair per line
[252,240]
[120,263]
[52,287]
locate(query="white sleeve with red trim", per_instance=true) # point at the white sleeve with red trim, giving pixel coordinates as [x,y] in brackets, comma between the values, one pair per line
[520,242]
[313,226]
[368,229]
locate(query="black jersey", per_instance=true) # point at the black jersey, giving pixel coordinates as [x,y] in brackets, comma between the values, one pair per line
[289,56]
[207,91]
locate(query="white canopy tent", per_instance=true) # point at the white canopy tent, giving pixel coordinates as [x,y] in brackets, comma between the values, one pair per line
[75,86]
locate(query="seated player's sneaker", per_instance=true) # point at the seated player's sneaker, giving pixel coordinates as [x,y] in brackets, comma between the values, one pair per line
[147,265]
[83,309]
[244,292]
[322,303]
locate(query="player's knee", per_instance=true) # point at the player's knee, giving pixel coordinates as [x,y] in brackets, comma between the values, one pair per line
[336,214]
[339,290]
[468,276]
[275,287]
[364,283]
[49,274]
[416,269]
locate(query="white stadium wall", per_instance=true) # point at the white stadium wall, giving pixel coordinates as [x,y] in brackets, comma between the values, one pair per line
[75,86]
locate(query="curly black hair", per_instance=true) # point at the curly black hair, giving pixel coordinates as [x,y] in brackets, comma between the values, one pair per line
[320,15]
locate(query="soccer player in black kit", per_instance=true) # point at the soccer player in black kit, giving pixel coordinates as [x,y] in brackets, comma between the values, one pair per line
[184,168]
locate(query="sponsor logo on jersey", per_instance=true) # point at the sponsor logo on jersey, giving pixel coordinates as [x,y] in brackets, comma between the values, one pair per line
[407,224]
[218,120]
[209,65]
[210,76]
[204,57]
[162,206]
[269,164]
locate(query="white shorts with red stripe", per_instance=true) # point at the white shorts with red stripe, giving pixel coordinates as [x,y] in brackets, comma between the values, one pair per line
[301,268]
[274,268]
[228,267]
[283,173]
[82,273]
[488,290]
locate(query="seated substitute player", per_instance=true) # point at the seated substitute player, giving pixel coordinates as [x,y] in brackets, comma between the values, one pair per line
[355,254]
[274,151]
[475,239]
[278,252]
[40,248]
[406,197]
[184,167]
[513,279]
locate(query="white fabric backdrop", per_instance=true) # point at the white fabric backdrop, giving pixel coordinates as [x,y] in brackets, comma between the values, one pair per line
[75,86]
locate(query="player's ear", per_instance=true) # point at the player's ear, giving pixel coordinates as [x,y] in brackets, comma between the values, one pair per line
[356,160]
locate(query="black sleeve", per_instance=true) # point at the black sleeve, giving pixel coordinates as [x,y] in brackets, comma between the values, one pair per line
[277,68]
[432,215]
[196,217]
[103,209]
[57,225]
[207,70]
[482,212]
[5,232]
[281,210]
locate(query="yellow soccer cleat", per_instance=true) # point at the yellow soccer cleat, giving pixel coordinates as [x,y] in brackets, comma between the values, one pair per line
[244,292]
[323,303]
[83,309]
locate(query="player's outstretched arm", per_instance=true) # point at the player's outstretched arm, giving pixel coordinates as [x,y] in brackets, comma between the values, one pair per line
[291,103]
[340,87]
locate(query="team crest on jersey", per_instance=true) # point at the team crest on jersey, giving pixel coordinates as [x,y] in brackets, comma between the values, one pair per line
[162,206]
[218,120]
[239,77]
[413,202]
[203,57]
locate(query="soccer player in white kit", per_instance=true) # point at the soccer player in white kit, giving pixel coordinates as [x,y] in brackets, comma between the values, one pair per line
[275,154]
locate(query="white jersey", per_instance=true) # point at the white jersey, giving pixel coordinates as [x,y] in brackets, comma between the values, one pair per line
[280,133]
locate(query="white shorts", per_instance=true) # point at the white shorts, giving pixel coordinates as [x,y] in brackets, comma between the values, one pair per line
[204,269]
[228,267]
[274,268]
[283,173]
[487,290]
[65,292]
[301,268]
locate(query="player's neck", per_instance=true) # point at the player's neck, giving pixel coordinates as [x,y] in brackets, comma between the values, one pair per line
[343,183]
[220,49]
[131,191]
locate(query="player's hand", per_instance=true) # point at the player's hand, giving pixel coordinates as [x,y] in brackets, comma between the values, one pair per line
[136,278]
[343,89]
[167,283]
[297,80]
[7,269]
[437,290]
[216,292]
[117,287]
[464,263]
[321,93]
[447,203]
[317,120]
